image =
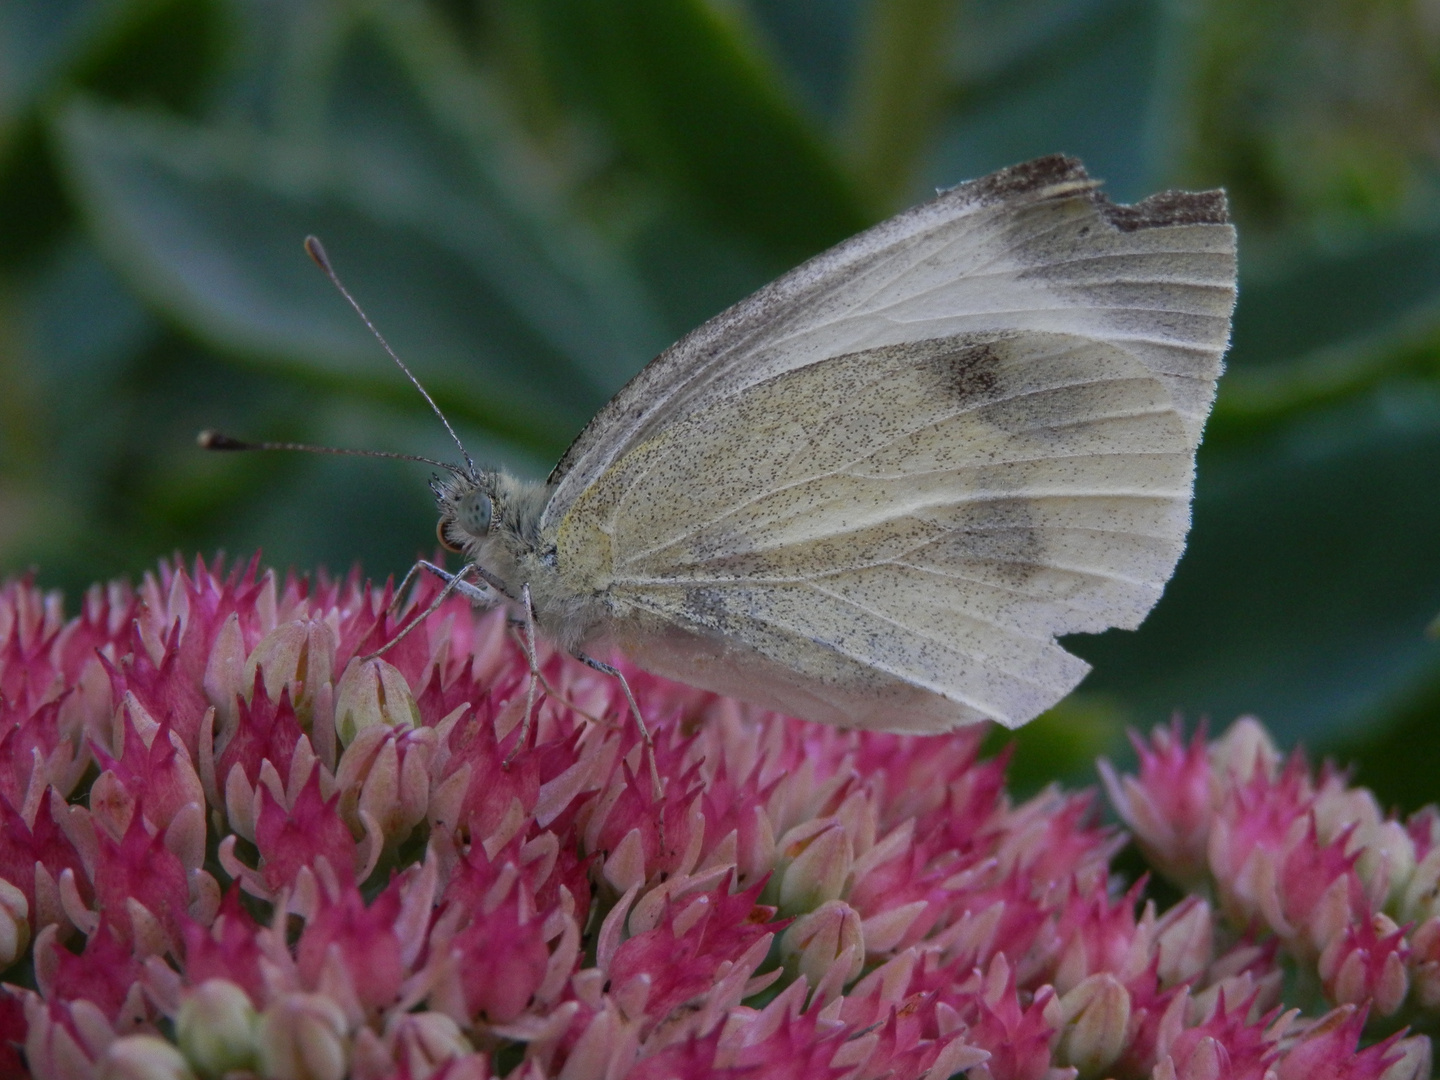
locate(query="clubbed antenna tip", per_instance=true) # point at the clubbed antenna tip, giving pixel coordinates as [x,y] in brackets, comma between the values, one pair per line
[316,251]
[217,440]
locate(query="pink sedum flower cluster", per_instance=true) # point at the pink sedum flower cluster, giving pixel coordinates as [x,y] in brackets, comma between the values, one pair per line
[1350,896]
[234,847]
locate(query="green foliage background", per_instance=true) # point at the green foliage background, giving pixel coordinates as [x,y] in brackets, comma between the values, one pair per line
[533,198]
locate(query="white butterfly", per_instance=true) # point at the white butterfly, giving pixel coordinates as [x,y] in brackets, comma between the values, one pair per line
[873,493]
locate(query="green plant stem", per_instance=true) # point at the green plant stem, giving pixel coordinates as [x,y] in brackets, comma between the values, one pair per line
[899,86]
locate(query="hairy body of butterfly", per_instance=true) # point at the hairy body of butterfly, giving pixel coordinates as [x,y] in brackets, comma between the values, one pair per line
[874,493]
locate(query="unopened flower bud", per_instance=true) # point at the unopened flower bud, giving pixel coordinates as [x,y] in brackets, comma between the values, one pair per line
[1243,749]
[1385,853]
[423,1042]
[1365,965]
[14,923]
[1338,808]
[1096,1022]
[1410,1059]
[816,872]
[816,942]
[371,693]
[216,1027]
[302,1037]
[298,656]
[1185,942]
[387,774]
[1425,963]
[1421,897]
[1387,857]
[142,1057]
[1169,805]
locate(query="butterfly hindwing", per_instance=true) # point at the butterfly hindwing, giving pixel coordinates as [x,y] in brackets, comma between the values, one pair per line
[929,516]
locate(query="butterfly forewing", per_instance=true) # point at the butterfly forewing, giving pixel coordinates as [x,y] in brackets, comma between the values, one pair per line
[1030,247]
[874,493]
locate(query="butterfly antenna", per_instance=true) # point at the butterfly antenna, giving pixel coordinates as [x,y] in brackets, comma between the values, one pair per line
[215,440]
[316,251]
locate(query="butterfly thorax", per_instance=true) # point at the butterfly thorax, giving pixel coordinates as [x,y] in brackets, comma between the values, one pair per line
[494,520]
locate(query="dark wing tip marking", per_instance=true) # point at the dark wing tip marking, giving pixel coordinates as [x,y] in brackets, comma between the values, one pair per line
[1168,208]
[1059,175]
[1026,177]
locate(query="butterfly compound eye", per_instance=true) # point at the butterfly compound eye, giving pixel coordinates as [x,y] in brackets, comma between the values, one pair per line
[474,513]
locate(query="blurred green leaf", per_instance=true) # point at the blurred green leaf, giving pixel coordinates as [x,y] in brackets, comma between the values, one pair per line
[465,277]
[155,51]
[207,226]
[1333,324]
[163,51]
[898,92]
[1075,77]
[1313,115]
[505,207]
[1062,743]
[1312,572]
[684,89]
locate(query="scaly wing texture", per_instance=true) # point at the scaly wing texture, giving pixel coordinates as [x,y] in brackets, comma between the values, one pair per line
[921,516]
[953,438]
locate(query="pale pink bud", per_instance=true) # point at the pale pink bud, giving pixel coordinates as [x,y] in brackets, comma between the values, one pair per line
[423,1042]
[302,1037]
[298,656]
[1206,1061]
[1385,852]
[142,1057]
[816,942]
[1244,748]
[1338,808]
[1421,897]
[1425,962]
[64,1041]
[14,923]
[216,1027]
[1185,942]
[1095,1024]
[225,675]
[1412,1060]
[386,774]
[372,693]
[1366,965]
[816,872]
[1168,805]
[1387,860]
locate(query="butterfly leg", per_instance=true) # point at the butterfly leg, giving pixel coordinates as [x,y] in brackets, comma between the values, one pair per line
[610,669]
[453,583]
[481,597]
[527,638]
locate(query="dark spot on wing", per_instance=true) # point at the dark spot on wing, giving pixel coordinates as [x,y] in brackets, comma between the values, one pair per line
[706,607]
[974,372]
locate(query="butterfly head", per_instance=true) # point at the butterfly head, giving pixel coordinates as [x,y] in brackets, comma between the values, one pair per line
[490,517]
